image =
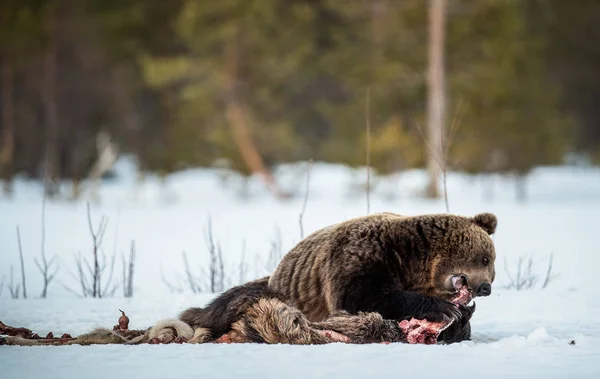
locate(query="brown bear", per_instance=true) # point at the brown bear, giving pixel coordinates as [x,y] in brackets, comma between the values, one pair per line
[424,267]
[259,315]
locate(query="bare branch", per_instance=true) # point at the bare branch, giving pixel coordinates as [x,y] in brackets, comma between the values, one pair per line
[368,126]
[275,253]
[23,284]
[446,143]
[77,277]
[212,254]
[549,275]
[220,268]
[301,216]
[172,288]
[73,291]
[87,265]
[105,291]
[128,269]
[188,274]
[12,288]
[43,226]
[97,238]
[508,273]
[85,287]
[37,264]
[131,270]
[102,229]
[89,219]
[243,266]
[456,120]
[212,278]
[45,266]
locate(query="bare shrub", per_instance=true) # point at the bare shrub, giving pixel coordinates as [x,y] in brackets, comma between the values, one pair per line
[212,279]
[90,277]
[526,277]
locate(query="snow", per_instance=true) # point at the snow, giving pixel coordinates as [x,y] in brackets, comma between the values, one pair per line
[515,333]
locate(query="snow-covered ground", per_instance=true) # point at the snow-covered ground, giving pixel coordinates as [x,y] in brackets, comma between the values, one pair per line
[515,333]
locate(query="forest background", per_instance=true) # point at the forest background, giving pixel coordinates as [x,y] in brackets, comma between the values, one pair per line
[249,84]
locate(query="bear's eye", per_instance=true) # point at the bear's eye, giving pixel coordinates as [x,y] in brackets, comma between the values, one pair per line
[486,261]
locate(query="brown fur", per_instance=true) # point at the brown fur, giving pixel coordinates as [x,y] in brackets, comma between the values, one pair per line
[271,321]
[418,253]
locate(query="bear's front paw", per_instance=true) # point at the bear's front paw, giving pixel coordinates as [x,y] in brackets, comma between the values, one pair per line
[440,311]
[459,330]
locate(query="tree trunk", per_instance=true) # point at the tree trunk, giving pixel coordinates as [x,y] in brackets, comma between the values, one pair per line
[235,114]
[8,128]
[436,102]
[49,99]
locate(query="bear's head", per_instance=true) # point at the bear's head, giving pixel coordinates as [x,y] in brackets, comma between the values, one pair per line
[462,265]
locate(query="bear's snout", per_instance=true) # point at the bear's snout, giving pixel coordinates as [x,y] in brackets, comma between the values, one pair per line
[484,289]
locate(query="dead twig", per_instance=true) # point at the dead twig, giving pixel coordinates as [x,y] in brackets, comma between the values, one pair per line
[23,280]
[301,216]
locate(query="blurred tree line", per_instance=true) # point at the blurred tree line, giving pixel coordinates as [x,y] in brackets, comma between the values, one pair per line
[184,83]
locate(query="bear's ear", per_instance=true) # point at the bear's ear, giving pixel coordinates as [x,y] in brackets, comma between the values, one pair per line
[487,221]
